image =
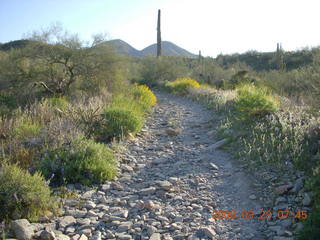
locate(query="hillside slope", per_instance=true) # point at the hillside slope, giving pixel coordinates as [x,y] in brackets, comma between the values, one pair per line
[168,49]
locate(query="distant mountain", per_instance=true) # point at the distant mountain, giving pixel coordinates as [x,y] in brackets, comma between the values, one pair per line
[168,49]
[14,44]
[124,49]
[120,47]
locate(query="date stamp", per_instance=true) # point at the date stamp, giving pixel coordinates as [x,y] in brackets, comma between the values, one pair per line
[263,214]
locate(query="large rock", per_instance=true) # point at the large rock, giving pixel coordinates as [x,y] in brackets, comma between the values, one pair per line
[22,229]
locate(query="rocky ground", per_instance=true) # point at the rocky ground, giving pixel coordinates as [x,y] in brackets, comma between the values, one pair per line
[173,177]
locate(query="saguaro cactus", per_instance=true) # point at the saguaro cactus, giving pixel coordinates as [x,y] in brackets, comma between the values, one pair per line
[159,35]
[280,57]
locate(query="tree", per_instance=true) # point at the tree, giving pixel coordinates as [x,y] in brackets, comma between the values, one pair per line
[54,61]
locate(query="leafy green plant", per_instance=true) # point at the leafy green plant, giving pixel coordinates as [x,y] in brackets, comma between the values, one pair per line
[144,96]
[23,194]
[58,102]
[83,161]
[119,122]
[253,101]
[181,85]
[27,129]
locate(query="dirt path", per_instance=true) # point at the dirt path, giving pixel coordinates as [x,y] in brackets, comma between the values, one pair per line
[168,187]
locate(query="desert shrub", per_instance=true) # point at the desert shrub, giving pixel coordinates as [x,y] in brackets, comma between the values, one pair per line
[58,102]
[181,85]
[23,194]
[27,129]
[128,102]
[83,161]
[8,99]
[118,123]
[254,101]
[144,96]
[213,99]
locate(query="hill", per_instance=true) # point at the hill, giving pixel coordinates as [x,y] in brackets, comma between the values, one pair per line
[168,49]
[120,47]
[14,44]
[125,49]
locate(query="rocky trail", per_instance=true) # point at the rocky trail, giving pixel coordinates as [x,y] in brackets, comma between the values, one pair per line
[172,180]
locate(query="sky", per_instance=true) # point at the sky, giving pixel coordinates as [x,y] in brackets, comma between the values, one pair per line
[212,26]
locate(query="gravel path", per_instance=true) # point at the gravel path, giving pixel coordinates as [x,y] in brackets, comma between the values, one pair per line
[171,181]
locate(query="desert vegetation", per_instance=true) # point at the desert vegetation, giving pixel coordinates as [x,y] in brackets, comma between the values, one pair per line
[64,105]
[270,116]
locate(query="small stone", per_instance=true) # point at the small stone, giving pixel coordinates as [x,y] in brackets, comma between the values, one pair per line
[127,168]
[117,186]
[47,235]
[211,133]
[147,191]
[97,236]
[306,200]
[155,236]
[22,229]
[281,200]
[151,230]
[252,197]
[125,226]
[60,236]
[214,166]
[83,237]
[71,203]
[83,221]
[121,213]
[67,221]
[173,132]
[149,205]
[91,214]
[283,189]
[298,185]
[218,144]
[109,234]
[77,213]
[124,237]
[88,194]
[89,205]
[207,232]
[75,237]
[165,185]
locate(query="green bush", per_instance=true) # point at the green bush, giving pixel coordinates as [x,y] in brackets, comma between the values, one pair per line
[144,96]
[253,101]
[84,161]
[27,129]
[181,85]
[22,194]
[58,102]
[119,122]
[128,102]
